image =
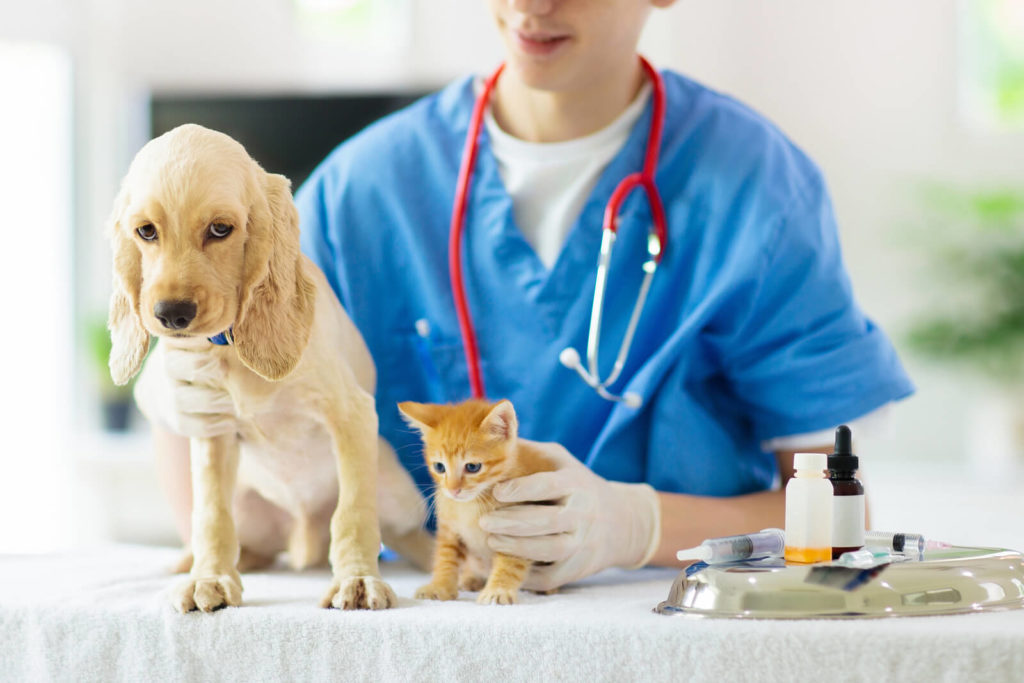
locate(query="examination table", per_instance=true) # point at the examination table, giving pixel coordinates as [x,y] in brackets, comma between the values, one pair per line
[102,615]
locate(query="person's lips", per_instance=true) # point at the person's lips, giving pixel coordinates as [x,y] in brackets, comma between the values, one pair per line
[539,43]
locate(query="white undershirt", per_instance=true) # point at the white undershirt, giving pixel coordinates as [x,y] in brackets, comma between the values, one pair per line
[550,181]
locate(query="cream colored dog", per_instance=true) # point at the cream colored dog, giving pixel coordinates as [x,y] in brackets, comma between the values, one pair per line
[206,242]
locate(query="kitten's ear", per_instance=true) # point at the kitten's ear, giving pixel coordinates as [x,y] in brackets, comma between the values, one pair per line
[501,422]
[422,416]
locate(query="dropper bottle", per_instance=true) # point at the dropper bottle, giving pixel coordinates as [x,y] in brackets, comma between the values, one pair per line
[847,496]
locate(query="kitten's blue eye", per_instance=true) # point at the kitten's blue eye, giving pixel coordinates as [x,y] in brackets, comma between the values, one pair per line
[472,467]
[439,467]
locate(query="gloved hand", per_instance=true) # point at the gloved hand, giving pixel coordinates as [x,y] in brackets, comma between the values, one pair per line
[184,391]
[592,525]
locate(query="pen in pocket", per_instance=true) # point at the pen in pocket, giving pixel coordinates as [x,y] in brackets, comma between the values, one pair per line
[435,389]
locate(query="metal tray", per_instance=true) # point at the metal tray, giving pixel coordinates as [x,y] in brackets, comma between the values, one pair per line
[948,581]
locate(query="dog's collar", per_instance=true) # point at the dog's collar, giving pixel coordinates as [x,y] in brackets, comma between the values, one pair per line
[225,338]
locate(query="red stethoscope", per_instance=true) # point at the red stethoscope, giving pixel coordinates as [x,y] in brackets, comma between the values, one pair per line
[656,241]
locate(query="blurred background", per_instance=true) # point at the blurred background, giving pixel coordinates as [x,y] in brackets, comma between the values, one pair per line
[914,110]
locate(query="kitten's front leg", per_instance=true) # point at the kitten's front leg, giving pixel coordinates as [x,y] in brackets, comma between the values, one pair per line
[507,575]
[448,556]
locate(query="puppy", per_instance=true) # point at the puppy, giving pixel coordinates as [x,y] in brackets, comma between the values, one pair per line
[206,243]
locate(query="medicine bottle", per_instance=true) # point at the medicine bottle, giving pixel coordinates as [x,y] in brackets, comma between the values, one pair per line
[809,511]
[847,496]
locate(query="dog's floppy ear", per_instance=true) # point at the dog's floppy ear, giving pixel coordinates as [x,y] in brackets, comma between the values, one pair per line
[130,341]
[277,299]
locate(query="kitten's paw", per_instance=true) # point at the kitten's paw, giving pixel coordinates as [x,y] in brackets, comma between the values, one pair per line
[359,592]
[471,583]
[498,596]
[207,593]
[433,591]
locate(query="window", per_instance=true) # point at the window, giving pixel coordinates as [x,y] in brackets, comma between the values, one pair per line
[35,277]
[992,63]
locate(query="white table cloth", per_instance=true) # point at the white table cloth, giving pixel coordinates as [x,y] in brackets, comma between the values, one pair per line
[102,615]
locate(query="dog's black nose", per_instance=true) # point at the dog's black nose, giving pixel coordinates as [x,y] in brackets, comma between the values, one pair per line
[175,315]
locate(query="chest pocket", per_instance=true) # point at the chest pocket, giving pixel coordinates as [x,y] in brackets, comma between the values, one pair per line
[427,369]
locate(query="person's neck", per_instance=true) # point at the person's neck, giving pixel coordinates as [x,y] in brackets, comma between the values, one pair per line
[555,116]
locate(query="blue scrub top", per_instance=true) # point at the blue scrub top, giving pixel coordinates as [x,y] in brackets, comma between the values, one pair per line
[750,330]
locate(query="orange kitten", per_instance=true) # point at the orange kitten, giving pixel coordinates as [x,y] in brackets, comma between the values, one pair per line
[469,447]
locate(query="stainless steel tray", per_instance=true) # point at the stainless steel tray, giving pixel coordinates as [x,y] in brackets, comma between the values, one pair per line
[949,581]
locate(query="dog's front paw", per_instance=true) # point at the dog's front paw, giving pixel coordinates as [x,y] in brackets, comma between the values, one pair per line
[207,593]
[359,592]
[435,591]
[498,596]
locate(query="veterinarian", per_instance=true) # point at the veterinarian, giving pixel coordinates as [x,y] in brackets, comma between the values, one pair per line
[749,346]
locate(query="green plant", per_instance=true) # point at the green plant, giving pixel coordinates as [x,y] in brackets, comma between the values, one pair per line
[97,338]
[977,254]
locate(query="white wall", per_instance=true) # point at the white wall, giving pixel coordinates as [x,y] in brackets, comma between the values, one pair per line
[869,89]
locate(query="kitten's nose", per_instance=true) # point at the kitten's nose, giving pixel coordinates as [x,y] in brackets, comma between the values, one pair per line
[175,315]
[456,492]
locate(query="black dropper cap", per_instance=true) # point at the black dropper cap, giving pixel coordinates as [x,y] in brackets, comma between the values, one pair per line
[842,458]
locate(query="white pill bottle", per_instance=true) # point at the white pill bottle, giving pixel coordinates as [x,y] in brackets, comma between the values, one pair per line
[809,511]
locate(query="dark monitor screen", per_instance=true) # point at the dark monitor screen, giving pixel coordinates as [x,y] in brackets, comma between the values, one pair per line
[286,134]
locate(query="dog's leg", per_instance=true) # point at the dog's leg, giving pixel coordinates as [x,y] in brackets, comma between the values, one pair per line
[417,546]
[402,510]
[262,529]
[213,580]
[355,533]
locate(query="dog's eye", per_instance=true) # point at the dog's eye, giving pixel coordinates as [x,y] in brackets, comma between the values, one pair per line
[439,467]
[472,467]
[219,230]
[147,232]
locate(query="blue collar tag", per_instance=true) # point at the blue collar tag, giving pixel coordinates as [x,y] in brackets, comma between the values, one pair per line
[226,338]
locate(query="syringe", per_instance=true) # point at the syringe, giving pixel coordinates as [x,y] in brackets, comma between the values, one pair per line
[897,542]
[765,543]
[868,557]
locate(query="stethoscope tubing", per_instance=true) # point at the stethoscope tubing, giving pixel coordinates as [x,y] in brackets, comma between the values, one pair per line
[656,241]
[458,222]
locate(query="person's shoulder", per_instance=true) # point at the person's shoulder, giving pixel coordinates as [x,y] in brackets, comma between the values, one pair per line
[395,141]
[734,144]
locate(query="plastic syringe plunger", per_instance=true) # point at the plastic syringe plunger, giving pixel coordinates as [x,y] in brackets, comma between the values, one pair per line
[701,552]
[765,543]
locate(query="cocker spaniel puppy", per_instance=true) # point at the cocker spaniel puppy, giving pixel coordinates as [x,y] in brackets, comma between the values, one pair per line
[206,243]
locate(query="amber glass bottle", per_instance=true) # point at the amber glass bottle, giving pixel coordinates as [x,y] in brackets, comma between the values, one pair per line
[847,495]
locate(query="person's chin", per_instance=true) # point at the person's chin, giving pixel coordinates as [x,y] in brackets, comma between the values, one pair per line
[540,76]
[542,72]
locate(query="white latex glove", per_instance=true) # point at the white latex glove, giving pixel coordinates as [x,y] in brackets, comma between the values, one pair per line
[184,391]
[592,525]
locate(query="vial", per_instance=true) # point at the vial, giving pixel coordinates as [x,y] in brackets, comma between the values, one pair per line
[847,496]
[809,511]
